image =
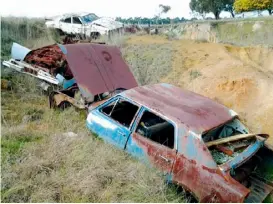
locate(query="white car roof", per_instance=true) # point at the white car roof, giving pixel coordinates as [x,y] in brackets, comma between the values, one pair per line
[77,14]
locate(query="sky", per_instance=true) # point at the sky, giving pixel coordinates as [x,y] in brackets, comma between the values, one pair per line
[109,8]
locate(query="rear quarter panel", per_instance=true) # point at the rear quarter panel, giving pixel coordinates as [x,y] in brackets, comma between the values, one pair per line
[196,170]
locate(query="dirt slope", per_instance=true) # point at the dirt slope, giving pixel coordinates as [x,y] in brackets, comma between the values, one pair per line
[238,77]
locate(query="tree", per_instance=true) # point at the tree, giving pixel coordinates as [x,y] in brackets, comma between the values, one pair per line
[230,7]
[197,8]
[163,9]
[214,6]
[252,5]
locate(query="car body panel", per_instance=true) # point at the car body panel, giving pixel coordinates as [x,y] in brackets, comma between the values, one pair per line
[19,52]
[110,130]
[98,68]
[139,146]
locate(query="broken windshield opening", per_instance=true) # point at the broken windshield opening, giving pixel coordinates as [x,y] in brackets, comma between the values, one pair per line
[89,18]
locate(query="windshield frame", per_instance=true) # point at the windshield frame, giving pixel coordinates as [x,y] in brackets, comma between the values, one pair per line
[89,18]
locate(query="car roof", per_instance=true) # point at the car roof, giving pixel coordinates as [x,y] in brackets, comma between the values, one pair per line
[192,110]
[77,14]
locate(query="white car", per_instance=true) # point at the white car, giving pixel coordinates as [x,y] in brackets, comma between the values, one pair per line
[84,24]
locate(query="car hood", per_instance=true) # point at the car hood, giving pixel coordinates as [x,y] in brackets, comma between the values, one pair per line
[98,68]
[107,23]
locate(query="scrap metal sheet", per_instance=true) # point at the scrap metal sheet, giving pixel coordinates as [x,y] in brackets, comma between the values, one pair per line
[98,68]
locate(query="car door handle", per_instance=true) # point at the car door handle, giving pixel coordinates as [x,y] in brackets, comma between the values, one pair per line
[121,133]
[165,159]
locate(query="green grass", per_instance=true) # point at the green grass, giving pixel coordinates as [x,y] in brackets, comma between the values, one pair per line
[269,199]
[11,144]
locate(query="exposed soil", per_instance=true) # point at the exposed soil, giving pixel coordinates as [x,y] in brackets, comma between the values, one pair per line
[239,77]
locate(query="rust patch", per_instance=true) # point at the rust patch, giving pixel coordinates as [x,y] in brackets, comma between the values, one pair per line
[197,112]
[98,68]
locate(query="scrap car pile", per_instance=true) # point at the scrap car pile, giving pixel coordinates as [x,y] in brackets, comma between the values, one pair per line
[198,143]
[75,74]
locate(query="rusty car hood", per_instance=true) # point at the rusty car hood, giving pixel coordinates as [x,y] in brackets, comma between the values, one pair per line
[98,68]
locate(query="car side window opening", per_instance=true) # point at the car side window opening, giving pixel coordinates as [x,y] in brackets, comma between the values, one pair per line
[156,129]
[67,20]
[76,20]
[121,111]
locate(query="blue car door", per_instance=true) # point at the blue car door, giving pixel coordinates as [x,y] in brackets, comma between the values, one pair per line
[112,120]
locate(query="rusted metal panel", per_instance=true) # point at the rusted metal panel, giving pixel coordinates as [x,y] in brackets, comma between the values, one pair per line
[18,52]
[58,98]
[25,68]
[194,111]
[98,68]
[51,58]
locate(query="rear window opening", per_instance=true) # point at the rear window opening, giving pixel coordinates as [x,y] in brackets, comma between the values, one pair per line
[226,151]
[156,129]
[231,128]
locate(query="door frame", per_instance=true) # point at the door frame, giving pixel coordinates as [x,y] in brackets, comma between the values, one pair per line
[139,116]
[116,98]
[133,131]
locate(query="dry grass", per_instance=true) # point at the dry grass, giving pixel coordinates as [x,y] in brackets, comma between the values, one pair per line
[246,33]
[148,62]
[31,33]
[241,32]
[43,162]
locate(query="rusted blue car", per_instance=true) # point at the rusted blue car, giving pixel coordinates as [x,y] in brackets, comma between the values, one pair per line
[198,143]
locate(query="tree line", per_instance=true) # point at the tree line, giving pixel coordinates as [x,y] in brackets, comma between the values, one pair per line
[202,7]
[152,21]
[157,19]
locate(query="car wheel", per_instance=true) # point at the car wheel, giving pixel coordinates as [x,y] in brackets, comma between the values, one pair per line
[64,104]
[94,35]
